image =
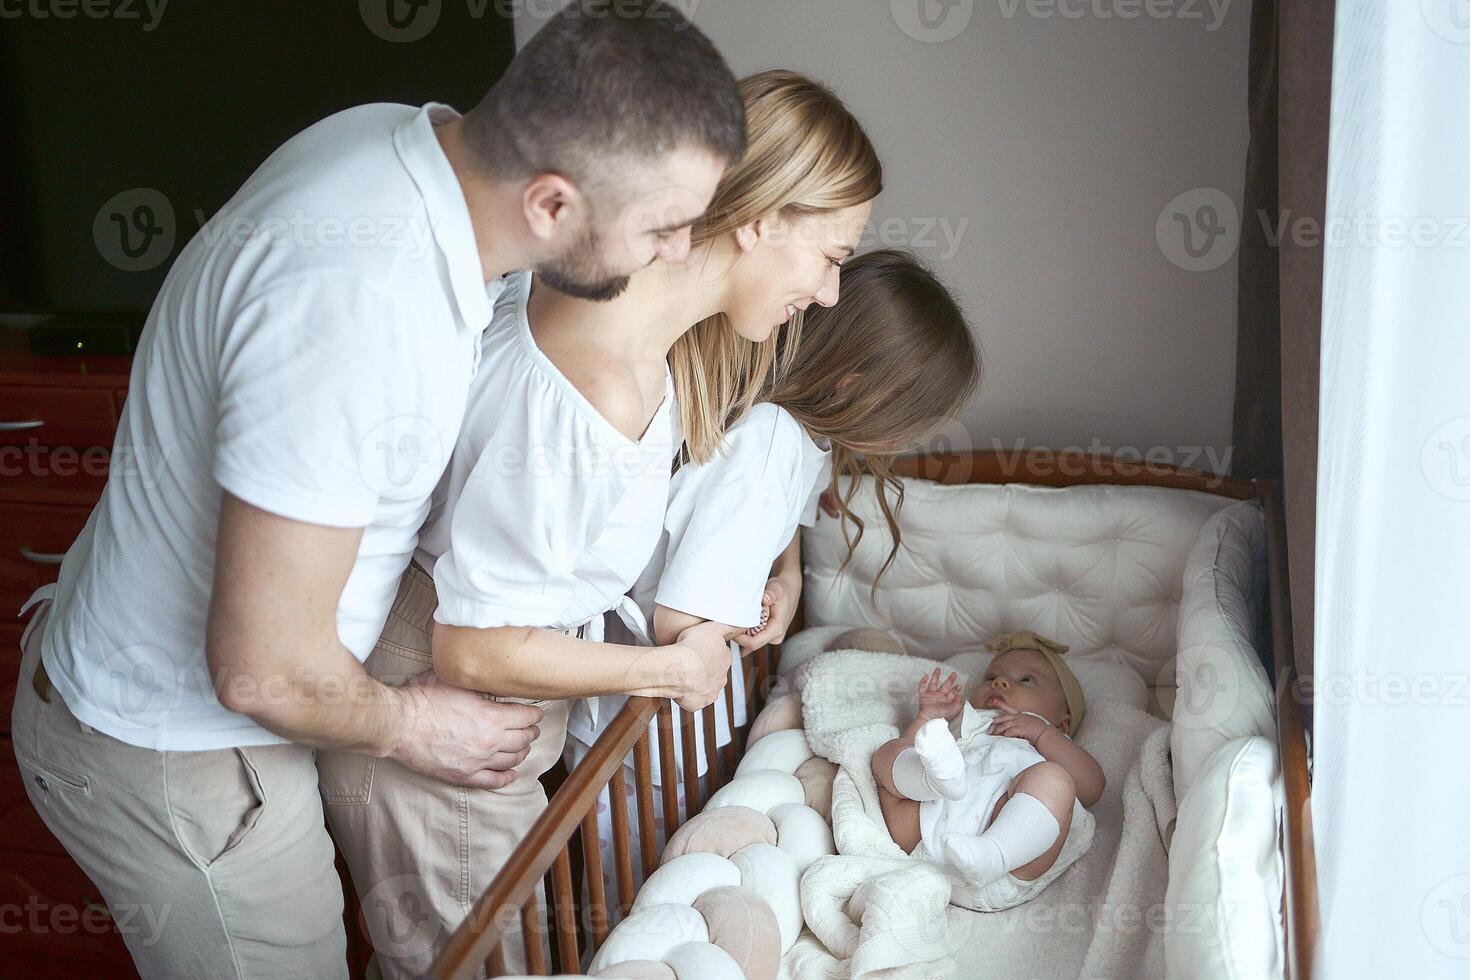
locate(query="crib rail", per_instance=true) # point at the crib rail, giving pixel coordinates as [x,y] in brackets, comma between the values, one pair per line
[1299,898]
[511,902]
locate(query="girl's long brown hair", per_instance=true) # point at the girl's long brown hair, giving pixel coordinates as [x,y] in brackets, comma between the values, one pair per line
[806,154]
[878,374]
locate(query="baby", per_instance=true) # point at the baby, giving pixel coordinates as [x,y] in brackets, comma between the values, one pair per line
[998,800]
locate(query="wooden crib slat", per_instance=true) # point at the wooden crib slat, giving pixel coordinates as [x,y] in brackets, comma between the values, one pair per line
[691,763]
[668,771]
[531,933]
[731,750]
[643,774]
[566,912]
[622,844]
[596,898]
[495,962]
[711,750]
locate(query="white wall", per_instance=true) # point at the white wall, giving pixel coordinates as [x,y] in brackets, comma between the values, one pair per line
[1049,135]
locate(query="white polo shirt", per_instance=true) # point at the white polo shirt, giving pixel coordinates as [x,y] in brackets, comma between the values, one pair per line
[310,352]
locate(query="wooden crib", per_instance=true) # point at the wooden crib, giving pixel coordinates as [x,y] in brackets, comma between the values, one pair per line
[564,841]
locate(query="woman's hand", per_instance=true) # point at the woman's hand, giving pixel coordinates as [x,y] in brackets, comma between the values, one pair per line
[940,699]
[1012,724]
[705,665]
[778,608]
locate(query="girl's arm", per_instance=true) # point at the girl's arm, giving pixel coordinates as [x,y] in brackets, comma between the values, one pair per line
[540,664]
[784,590]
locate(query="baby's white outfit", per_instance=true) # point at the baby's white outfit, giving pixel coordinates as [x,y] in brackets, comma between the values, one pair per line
[991,763]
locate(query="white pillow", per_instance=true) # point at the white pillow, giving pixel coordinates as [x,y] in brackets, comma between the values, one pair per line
[685,878]
[769,872]
[703,961]
[802,833]
[649,933]
[1223,693]
[760,789]
[784,751]
[1224,894]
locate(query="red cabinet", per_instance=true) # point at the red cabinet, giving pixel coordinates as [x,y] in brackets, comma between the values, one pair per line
[58,416]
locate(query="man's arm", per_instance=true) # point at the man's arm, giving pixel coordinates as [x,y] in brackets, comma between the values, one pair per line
[274,655]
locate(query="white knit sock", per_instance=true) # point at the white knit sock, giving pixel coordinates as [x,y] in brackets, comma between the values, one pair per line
[1023,831]
[934,768]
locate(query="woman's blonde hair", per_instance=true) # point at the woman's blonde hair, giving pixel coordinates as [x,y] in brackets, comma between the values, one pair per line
[806,154]
[878,374]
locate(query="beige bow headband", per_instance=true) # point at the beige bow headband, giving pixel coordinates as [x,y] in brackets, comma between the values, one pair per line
[1052,651]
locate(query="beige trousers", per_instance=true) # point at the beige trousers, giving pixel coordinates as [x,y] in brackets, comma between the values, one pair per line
[421,851]
[214,864]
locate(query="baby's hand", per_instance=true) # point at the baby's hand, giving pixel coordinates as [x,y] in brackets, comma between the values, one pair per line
[1013,724]
[940,699]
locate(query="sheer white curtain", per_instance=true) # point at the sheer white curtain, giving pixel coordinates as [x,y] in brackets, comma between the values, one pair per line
[1391,796]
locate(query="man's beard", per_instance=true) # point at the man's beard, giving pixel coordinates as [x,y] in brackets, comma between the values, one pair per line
[577,273]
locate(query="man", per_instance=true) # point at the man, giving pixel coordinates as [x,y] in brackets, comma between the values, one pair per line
[295,398]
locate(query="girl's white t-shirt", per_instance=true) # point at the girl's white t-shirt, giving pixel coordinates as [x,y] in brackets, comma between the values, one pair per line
[727,521]
[547,512]
[730,518]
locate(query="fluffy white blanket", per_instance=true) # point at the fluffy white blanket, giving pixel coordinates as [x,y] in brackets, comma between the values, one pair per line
[874,912]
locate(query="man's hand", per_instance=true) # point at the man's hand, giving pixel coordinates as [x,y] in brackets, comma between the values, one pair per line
[456,736]
[778,608]
[940,699]
[705,663]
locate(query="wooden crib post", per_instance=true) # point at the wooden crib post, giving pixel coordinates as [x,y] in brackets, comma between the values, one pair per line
[566,912]
[691,764]
[668,771]
[711,752]
[643,776]
[596,898]
[531,937]
[622,845]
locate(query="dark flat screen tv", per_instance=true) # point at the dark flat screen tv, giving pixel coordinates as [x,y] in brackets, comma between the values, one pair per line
[118,117]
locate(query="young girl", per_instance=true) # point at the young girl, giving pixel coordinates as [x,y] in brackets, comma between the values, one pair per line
[873,377]
[554,500]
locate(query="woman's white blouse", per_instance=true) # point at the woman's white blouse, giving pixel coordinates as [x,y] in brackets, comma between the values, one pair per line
[730,518]
[547,513]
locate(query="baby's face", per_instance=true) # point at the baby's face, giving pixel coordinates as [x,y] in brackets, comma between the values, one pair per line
[1022,679]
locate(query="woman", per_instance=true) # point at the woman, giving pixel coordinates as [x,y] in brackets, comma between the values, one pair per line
[554,502]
